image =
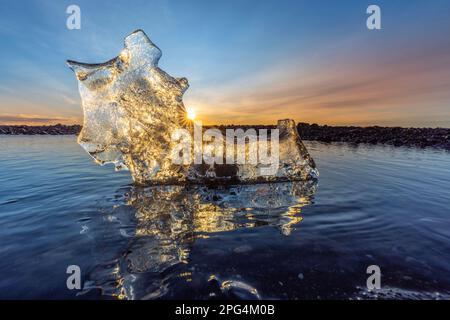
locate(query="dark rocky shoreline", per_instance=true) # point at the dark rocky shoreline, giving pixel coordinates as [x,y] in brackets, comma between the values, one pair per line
[396,136]
[58,129]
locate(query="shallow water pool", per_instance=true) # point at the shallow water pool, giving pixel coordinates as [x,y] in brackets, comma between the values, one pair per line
[372,205]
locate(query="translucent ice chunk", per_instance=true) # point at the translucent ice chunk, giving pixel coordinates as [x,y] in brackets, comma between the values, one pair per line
[132,108]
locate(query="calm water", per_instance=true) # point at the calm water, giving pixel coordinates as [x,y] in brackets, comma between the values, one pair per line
[373,205]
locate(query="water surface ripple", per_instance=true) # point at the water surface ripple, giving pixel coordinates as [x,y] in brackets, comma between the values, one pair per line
[373,205]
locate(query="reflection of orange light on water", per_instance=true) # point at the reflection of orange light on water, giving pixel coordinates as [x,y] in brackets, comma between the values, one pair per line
[190,113]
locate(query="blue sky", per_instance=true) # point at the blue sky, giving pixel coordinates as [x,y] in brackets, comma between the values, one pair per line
[246,61]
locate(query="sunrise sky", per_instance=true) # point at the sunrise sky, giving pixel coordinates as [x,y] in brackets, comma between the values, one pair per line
[248,62]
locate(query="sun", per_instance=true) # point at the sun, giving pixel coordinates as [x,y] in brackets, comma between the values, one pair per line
[190,113]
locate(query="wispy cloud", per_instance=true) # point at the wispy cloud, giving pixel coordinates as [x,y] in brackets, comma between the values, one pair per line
[353,90]
[247,62]
[30,119]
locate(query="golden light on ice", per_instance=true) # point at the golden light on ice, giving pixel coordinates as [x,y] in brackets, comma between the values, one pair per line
[132,108]
[190,113]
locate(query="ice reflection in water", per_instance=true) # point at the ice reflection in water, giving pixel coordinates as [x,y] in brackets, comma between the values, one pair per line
[167,220]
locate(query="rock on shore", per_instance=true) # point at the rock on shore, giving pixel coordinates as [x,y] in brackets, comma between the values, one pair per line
[58,129]
[396,136]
